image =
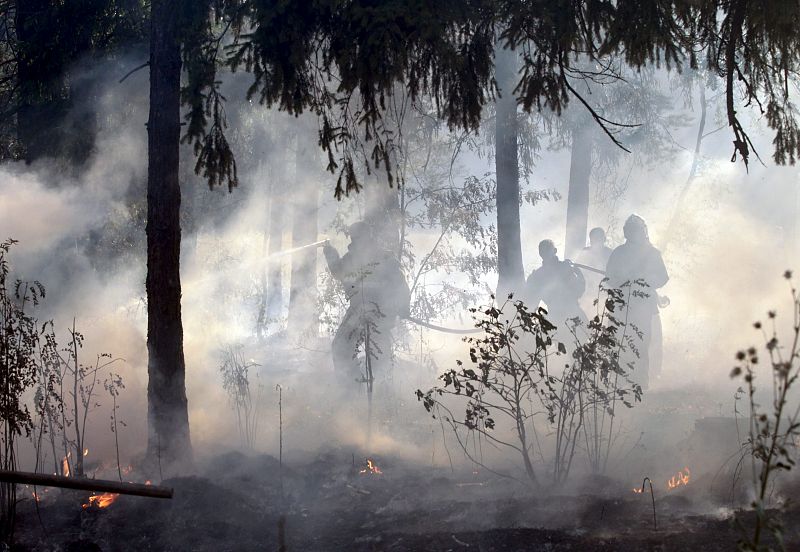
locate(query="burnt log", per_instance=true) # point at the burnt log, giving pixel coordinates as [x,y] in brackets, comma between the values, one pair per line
[85,484]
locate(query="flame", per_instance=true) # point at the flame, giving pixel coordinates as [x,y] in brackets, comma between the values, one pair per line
[86,452]
[36,497]
[681,478]
[371,467]
[101,501]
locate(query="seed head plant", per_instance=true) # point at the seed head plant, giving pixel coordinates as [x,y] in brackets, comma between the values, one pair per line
[774,429]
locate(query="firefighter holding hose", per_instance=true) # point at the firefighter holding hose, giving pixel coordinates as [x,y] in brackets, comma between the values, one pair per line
[377,294]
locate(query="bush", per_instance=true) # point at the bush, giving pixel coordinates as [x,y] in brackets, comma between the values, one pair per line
[515,373]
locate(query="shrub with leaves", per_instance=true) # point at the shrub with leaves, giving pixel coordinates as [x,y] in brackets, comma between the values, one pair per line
[18,345]
[514,373]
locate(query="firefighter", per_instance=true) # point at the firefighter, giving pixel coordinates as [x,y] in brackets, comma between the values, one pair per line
[638,260]
[377,294]
[559,285]
[595,256]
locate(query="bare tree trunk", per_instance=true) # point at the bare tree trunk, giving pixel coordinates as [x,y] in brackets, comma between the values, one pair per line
[261,322]
[677,213]
[382,206]
[274,291]
[169,441]
[189,222]
[509,244]
[305,228]
[580,172]
[49,122]
[41,107]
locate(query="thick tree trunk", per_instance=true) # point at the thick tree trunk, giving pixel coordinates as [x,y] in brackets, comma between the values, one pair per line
[41,108]
[305,228]
[509,245]
[580,171]
[169,442]
[48,123]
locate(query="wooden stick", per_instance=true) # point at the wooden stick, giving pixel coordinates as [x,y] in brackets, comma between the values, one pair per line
[85,484]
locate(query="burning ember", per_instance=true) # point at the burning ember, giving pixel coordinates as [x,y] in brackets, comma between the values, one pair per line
[101,500]
[371,467]
[682,478]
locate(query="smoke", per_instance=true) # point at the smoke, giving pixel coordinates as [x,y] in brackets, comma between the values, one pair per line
[81,234]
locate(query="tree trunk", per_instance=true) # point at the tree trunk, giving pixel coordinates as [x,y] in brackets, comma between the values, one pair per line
[382,211]
[49,123]
[169,442]
[677,212]
[274,291]
[580,171]
[41,105]
[509,245]
[305,205]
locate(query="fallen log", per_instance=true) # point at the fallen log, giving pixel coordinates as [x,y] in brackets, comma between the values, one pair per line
[85,484]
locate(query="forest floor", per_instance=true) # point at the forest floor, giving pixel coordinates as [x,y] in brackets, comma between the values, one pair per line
[327,500]
[241,502]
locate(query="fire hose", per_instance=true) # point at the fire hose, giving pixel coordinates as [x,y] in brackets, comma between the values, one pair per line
[663,300]
[442,329]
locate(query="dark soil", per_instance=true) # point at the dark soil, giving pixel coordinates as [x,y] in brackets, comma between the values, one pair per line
[249,503]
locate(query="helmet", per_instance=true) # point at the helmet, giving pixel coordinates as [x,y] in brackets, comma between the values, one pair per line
[358,229]
[635,229]
[547,248]
[597,235]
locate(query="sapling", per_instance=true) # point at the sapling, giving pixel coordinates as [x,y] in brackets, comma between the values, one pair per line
[518,371]
[235,372]
[19,340]
[113,384]
[504,380]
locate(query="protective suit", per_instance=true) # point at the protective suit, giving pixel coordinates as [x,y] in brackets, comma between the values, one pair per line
[638,259]
[559,285]
[596,256]
[377,293]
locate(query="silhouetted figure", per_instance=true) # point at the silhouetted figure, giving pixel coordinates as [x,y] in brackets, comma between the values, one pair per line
[377,293]
[596,256]
[559,285]
[638,259]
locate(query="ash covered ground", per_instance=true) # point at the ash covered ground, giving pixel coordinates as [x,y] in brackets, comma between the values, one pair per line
[240,502]
[350,498]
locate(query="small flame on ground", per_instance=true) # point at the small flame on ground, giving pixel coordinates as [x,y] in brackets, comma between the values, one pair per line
[86,452]
[371,467]
[101,500]
[681,478]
